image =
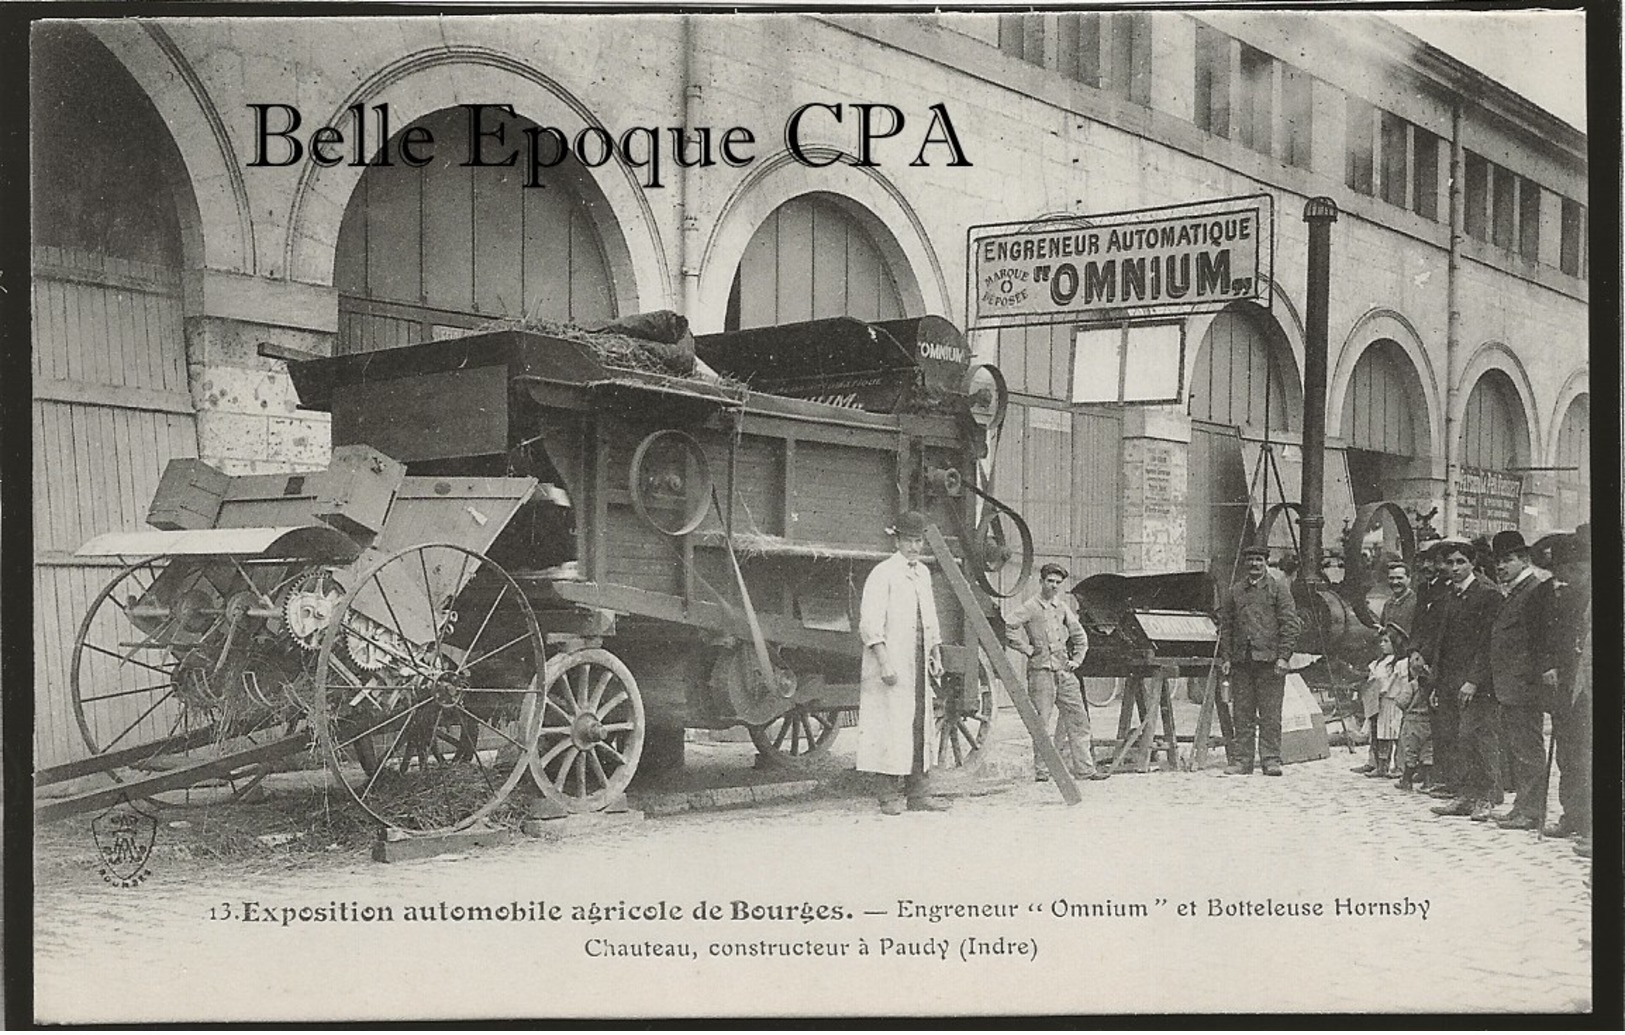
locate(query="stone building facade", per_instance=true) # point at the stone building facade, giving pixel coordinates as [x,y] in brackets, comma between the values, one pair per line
[171,270]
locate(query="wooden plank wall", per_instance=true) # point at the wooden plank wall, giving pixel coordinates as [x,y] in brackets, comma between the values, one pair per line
[111,407]
[809,260]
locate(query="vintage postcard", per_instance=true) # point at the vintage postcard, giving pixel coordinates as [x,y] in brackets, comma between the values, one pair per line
[993,513]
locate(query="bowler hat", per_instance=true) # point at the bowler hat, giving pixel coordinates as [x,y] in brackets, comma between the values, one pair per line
[910,523]
[1256,551]
[1507,542]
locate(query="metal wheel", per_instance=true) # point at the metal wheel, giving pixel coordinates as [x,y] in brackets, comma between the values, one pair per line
[591,732]
[801,736]
[425,703]
[171,670]
[964,711]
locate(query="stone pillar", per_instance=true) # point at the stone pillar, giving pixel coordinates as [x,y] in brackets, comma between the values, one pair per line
[248,418]
[1155,514]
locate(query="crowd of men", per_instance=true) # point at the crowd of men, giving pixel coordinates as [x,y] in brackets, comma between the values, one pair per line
[1473,663]
[1491,657]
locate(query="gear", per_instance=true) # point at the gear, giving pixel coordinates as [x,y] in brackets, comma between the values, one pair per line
[371,646]
[308,606]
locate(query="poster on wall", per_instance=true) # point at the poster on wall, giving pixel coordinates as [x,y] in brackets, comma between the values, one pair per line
[1487,501]
[473,470]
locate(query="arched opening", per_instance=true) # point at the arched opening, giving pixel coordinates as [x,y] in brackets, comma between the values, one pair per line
[1244,391]
[431,252]
[1385,424]
[812,258]
[111,401]
[1573,463]
[1494,457]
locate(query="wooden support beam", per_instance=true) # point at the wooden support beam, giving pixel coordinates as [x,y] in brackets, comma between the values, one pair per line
[993,646]
[173,780]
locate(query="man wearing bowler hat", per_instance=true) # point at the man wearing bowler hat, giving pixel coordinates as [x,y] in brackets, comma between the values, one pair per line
[1258,631]
[1518,641]
[897,621]
[1461,681]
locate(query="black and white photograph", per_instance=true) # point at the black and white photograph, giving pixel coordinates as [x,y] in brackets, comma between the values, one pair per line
[993,513]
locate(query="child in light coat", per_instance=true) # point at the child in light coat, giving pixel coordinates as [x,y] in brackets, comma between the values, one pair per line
[1389,689]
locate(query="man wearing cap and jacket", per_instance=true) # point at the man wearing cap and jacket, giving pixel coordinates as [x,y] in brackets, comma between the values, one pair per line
[1258,631]
[1461,677]
[897,622]
[1047,631]
[1518,640]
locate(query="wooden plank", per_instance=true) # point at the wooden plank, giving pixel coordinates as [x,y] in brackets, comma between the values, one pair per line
[498,250]
[795,260]
[758,277]
[591,301]
[829,275]
[545,252]
[124,397]
[866,277]
[993,645]
[448,199]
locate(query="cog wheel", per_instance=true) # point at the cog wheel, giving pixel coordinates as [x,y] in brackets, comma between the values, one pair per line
[373,647]
[308,606]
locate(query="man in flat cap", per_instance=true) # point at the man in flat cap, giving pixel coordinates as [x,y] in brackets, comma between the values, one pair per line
[897,621]
[1461,682]
[1258,631]
[1518,648]
[1048,633]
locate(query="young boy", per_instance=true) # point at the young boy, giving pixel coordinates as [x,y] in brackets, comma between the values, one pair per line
[1414,759]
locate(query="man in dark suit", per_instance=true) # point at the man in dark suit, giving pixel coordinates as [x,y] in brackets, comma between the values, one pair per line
[1431,594]
[1461,674]
[1258,631]
[1568,685]
[1518,648]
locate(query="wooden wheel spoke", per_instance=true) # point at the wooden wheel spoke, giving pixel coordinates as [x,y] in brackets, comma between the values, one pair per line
[553,752]
[612,727]
[613,703]
[549,702]
[616,755]
[564,768]
[598,768]
[598,686]
[581,771]
[784,730]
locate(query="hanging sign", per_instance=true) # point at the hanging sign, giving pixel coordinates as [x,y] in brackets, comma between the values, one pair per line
[1176,259]
[1487,501]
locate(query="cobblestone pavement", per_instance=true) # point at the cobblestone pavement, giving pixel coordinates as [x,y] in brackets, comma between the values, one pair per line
[1094,921]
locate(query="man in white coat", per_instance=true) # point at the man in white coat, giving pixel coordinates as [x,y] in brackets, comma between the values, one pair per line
[901,648]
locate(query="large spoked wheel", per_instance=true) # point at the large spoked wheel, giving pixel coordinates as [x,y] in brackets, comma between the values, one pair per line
[162,678]
[591,730]
[425,703]
[964,709]
[800,737]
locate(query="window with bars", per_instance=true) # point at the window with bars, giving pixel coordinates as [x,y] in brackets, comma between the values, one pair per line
[1255,117]
[1297,112]
[1212,109]
[1425,173]
[1361,145]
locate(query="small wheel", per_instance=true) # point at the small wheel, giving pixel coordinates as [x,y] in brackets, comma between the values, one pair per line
[164,675]
[1101,692]
[798,738]
[670,482]
[964,711]
[591,730]
[426,707]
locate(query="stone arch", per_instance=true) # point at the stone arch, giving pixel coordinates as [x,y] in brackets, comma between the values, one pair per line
[216,221]
[1577,384]
[1284,329]
[871,200]
[1377,325]
[1281,312]
[431,80]
[1493,355]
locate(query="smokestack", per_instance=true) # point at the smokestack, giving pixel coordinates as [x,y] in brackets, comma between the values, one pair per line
[1320,214]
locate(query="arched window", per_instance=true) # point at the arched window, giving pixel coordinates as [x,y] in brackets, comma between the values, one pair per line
[431,251]
[1384,410]
[1573,462]
[1494,435]
[810,259]
[1244,375]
